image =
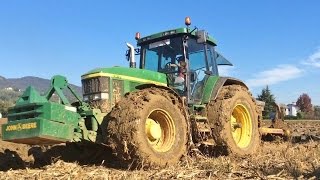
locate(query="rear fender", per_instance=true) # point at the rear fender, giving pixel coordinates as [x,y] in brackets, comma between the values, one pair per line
[215,89]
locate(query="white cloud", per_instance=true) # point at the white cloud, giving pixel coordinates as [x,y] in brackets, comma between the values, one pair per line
[226,70]
[313,59]
[273,76]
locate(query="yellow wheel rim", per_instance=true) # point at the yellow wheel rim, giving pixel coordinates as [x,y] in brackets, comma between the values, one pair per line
[241,126]
[160,130]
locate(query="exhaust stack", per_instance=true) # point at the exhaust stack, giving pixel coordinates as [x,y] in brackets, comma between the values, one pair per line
[131,56]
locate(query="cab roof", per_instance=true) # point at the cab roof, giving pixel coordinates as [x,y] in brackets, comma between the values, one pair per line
[171,33]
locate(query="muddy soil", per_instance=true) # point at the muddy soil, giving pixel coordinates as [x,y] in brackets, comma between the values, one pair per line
[301,130]
[274,160]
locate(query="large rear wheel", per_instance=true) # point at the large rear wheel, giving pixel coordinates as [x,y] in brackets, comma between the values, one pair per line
[147,128]
[235,120]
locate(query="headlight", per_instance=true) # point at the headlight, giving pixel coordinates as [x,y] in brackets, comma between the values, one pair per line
[96,96]
[85,98]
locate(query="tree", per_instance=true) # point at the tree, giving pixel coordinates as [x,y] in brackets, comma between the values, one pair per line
[7,99]
[4,106]
[299,115]
[304,103]
[269,99]
[305,106]
[317,112]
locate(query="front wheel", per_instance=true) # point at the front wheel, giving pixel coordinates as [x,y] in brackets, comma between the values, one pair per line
[147,128]
[234,117]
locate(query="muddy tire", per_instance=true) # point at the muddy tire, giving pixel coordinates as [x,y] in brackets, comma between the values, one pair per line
[233,115]
[147,128]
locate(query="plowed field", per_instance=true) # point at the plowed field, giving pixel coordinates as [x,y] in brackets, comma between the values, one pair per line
[297,159]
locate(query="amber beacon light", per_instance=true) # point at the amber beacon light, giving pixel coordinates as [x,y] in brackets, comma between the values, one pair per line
[187,21]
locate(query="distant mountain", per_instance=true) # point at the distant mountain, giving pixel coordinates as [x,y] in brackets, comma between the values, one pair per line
[40,84]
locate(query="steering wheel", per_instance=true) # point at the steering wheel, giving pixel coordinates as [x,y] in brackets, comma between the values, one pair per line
[169,65]
[168,69]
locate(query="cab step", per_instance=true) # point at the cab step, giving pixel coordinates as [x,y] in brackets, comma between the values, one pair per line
[199,118]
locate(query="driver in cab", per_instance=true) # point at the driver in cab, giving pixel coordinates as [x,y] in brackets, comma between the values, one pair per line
[182,68]
[181,75]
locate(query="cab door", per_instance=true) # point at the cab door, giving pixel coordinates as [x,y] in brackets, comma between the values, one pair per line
[201,65]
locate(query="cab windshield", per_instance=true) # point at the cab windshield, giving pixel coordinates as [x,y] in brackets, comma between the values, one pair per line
[158,56]
[167,56]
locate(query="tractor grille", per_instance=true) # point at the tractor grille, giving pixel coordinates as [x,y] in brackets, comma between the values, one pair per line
[96,92]
[95,85]
[102,92]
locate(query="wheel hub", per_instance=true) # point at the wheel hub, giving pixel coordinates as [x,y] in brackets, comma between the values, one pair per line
[160,130]
[153,130]
[241,126]
[235,125]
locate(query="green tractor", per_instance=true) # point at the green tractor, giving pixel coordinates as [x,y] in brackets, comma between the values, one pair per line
[154,114]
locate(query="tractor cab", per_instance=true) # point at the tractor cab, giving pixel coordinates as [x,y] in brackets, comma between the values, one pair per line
[186,56]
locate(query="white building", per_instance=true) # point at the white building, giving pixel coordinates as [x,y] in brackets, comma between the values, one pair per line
[9,88]
[0,115]
[292,110]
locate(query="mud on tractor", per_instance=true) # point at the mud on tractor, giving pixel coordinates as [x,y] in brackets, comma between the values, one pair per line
[152,114]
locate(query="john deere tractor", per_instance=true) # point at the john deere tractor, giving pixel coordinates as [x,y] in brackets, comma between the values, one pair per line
[153,113]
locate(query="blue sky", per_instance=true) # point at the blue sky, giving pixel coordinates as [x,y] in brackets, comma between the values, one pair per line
[269,42]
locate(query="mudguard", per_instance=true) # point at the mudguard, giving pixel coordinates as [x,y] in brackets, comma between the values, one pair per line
[221,81]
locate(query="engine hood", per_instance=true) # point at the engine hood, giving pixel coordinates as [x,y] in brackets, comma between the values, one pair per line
[129,74]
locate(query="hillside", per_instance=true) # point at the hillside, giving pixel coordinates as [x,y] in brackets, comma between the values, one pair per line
[40,84]
[12,88]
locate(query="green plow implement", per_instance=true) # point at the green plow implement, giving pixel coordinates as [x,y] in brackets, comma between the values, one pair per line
[36,120]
